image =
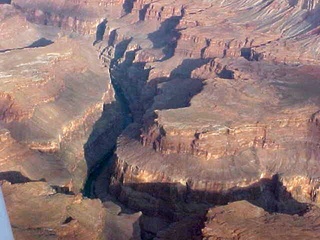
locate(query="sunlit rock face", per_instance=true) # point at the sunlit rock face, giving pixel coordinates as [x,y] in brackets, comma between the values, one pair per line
[232,102]
[61,216]
[223,95]
[52,93]
[77,16]
[261,122]
[242,220]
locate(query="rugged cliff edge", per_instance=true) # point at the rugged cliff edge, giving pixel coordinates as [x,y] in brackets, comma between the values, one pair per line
[48,113]
[242,220]
[223,98]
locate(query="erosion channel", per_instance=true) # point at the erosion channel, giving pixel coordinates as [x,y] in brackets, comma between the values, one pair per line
[107,160]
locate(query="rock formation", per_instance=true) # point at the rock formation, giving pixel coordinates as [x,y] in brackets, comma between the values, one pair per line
[179,106]
[242,220]
[38,212]
[51,96]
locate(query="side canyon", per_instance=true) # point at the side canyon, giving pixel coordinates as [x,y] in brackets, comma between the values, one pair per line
[142,119]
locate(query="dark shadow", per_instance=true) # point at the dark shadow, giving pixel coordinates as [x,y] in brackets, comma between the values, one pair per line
[100,147]
[251,55]
[188,228]
[176,91]
[128,6]
[101,29]
[173,94]
[203,50]
[112,37]
[102,138]
[149,231]
[121,48]
[293,3]
[5,1]
[14,177]
[42,42]
[166,36]
[166,31]
[63,190]
[67,220]
[179,203]
[129,77]
[129,80]
[179,93]
[269,194]
[143,12]
[226,74]
[246,53]
[187,66]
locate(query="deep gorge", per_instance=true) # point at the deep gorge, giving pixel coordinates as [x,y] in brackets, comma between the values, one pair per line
[270,194]
[160,120]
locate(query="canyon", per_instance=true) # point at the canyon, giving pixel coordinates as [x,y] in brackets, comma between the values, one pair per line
[142,119]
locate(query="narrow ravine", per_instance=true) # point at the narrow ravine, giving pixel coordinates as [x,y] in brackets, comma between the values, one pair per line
[107,159]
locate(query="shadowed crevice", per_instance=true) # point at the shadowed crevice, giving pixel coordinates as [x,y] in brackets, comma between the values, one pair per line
[112,37]
[5,1]
[167,36]
[226,74]
[181,205]
[187,66]
[42,42]
[143,12]
[269,194]
[251,55]
[67,220]
[121,48]
[62,190]
[128,6]
[101,29]
[14,177]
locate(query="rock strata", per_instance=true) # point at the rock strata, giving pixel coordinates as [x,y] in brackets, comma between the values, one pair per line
[60,216]
[242,220]
[223,98]
[50,98]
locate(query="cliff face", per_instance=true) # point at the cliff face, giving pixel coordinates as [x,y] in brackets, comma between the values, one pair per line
[61,216]
[224,97]
[262,109]
[77,16]
[220,112]
[242,220]
[52,93]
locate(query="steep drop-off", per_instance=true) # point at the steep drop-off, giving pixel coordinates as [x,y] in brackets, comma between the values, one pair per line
[224,102]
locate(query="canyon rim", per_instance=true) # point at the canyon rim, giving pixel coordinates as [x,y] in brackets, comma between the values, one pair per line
[157,119]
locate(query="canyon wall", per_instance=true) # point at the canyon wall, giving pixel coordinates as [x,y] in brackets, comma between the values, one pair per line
[223,95]
[51,96]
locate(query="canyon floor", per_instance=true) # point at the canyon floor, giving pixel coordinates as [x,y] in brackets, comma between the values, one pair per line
[145,119]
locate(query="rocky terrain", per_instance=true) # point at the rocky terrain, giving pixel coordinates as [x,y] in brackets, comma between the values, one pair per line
[38,212]
[242,220]
[187,119]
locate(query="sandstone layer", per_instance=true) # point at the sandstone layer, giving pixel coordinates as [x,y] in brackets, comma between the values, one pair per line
[51,215]
[223,97]
[221,102]
[51,96]
[242,220]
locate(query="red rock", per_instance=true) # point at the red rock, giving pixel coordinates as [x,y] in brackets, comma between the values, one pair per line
[242,220]
[224,98]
